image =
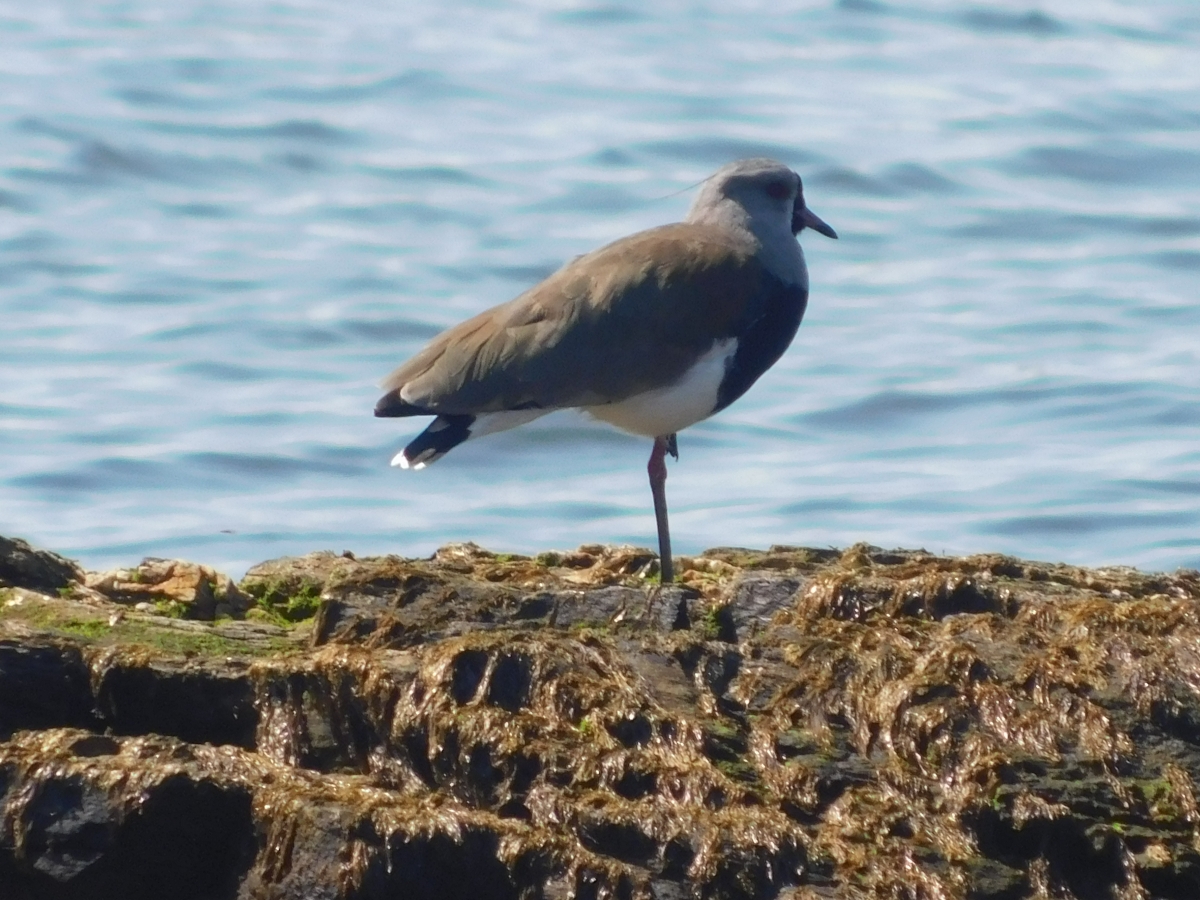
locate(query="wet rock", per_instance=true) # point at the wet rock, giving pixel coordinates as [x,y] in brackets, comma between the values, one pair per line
[202,701]
[68,828]
[600,607]
[788,723]
[42,684]
[69,831]
[757,598]
[991,880]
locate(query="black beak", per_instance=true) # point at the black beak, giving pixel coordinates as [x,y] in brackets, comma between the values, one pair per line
[803,217]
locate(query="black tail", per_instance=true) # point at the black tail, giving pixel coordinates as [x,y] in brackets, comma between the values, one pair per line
[443,435]
[390,406]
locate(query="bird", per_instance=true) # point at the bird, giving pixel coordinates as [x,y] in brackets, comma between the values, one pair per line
[651,333]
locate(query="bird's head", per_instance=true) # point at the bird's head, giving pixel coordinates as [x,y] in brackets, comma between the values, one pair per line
[759,195]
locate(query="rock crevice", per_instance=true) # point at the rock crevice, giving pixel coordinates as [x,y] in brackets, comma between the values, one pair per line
[794,722]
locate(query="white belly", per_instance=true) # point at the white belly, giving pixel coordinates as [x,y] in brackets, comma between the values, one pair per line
[669,409]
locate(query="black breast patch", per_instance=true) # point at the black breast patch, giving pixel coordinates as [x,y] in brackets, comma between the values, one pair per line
[763,334]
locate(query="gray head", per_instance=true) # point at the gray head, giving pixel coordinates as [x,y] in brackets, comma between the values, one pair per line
[760,195]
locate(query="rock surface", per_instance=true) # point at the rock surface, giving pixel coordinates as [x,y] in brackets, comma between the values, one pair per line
[38,570]
[792,723]
[172,586]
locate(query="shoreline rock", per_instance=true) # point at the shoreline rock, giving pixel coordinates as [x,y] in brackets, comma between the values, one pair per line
[790,723]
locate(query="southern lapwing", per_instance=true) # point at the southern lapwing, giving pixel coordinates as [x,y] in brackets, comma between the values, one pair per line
[651,333]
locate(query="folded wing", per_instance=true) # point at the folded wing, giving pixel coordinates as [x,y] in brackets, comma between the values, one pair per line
[627,318]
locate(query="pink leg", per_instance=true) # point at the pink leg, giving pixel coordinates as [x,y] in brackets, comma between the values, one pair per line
[657,470]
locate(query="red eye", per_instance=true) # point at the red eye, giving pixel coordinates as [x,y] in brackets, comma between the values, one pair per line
[777,190]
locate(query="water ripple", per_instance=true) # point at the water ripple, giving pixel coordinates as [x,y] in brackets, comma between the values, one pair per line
[419,84]
[221,226]
[895,409]
[1033,22]
[718,151]
[1108,165]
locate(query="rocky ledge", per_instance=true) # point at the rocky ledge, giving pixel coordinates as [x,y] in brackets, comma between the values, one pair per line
[792,723]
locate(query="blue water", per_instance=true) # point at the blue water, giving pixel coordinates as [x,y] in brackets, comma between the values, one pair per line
[222,223]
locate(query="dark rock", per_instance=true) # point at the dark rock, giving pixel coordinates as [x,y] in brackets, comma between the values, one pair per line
[36,570]
[991,880]
[625,841]
[844,724]
[67,828]
[510,685]
[77,841]
[43,684]
[757,598]
[201,702]
[441,867]
[599,607]
[469,668]
[95,745]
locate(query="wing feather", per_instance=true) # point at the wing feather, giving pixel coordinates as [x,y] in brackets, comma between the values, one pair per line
[628,317]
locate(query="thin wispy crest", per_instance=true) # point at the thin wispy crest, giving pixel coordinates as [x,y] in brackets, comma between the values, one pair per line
[682,190]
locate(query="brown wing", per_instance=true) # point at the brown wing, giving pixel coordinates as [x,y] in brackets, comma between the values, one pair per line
[626,318]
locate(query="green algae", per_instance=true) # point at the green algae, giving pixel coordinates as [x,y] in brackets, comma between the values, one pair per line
[284,602]
[120,628]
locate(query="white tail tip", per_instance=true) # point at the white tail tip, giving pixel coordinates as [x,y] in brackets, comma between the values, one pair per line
[402,461]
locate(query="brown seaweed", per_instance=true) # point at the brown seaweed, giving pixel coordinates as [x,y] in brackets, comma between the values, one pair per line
[791,722]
